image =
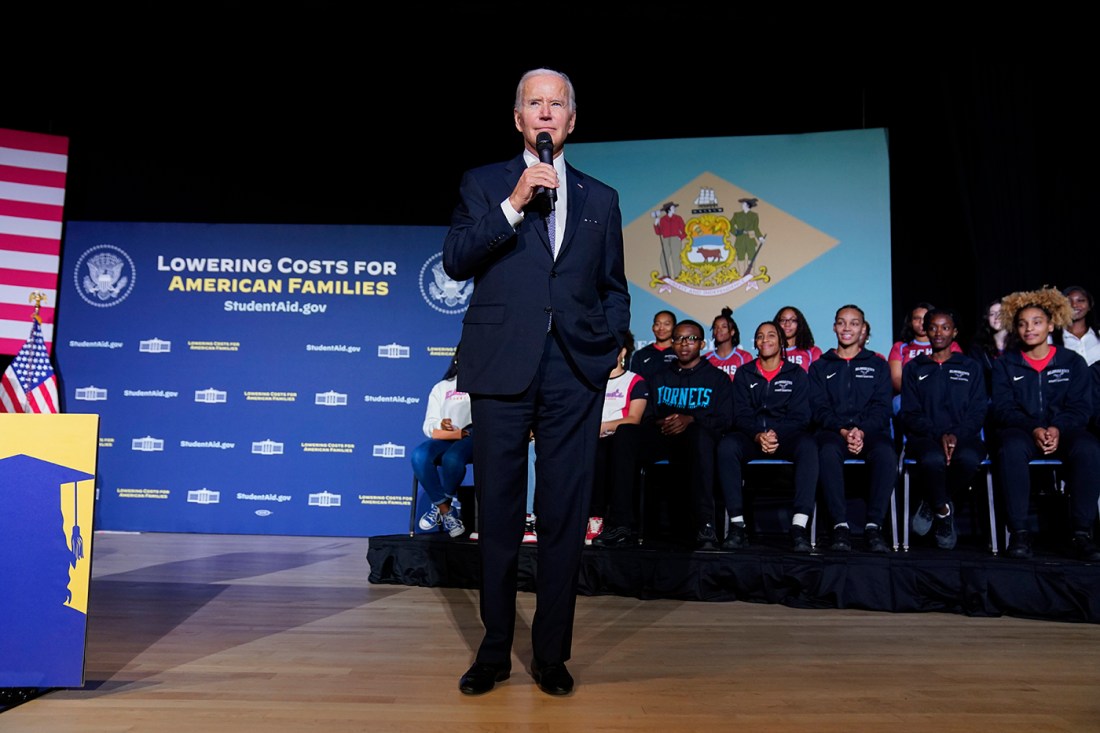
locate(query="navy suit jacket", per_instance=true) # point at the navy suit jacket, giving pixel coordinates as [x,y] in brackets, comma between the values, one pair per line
[519,284]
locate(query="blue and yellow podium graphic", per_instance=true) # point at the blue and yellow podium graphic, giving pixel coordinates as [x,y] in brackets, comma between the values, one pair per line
[47,488]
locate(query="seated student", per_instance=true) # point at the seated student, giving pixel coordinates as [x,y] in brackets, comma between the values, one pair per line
[1082,334]
[652,357]
[989,341]
[688,410]
[439,463]
[1042,403]
[726,337]
[771,419]
[913,341]
[850,399]
[798,338]
[943,409]
[624,404]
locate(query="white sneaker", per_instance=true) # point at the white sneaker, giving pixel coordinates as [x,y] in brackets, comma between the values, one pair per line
[529,536]
[595,526]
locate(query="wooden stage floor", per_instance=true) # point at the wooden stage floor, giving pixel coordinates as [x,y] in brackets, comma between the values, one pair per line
[263,633]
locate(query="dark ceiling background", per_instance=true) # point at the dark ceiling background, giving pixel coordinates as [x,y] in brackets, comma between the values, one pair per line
[316,114]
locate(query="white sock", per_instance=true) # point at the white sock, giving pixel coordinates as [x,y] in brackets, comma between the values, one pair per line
[801,520]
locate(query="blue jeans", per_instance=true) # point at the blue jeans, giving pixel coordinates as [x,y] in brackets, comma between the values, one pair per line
[440,466]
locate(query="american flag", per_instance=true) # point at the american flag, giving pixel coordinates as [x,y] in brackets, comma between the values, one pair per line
[29,383]
[32,195]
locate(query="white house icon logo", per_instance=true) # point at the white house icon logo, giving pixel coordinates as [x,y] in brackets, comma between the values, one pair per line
[147,444]
[267,448]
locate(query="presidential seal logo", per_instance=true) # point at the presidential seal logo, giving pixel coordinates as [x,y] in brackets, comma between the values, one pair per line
[439,291]
[104,276]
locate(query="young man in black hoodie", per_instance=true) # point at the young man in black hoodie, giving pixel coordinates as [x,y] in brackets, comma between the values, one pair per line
[688,410]
[943,408]
[850,394]
[771,419]
[1042,403]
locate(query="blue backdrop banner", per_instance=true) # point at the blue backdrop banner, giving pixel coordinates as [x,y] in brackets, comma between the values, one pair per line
[255,379]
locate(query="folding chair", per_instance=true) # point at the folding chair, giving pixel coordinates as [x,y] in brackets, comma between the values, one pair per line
[467,483]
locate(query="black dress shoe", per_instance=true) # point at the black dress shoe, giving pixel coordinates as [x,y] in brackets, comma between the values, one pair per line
[553,679]
[482,677]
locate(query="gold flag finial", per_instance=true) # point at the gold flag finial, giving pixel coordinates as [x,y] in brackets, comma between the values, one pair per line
[37,299]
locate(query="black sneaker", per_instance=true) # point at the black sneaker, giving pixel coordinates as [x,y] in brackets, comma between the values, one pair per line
[706,539]
[872,537]
[736,538]
[922,520]
[1019,545]
[944,530]
[842,540]
[614,537]
[1083,547]
[800,539]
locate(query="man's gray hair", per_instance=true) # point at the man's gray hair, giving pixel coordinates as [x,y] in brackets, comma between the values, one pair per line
[571,101]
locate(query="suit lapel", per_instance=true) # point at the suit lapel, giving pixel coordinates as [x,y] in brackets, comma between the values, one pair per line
[574,179]
[535,213]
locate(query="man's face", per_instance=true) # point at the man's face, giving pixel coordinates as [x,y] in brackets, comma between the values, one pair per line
[688,341]
[545,108]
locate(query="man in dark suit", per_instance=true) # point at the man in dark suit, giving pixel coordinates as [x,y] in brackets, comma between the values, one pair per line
[548,316]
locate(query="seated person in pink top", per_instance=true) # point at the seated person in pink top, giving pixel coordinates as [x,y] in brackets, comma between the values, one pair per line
[726,353]
[797,337]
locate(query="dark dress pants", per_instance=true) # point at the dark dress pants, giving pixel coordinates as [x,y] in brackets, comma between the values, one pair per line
[1078,449]
[737,448]
[939,480]
[691,454]
[564,412]
[882,461]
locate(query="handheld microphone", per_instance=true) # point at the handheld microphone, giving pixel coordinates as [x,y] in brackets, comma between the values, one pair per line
[544,144]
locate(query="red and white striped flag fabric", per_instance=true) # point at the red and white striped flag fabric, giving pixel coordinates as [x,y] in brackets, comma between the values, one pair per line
[29,383]
[32,196]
